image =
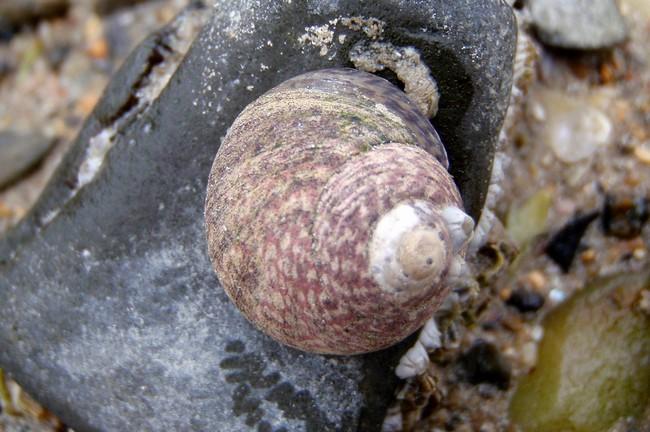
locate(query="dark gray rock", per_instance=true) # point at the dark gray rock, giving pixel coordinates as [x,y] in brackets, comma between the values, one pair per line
[111,314]
[578,24]
[19,152]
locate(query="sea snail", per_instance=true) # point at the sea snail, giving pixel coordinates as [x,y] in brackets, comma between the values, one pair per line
[332,221]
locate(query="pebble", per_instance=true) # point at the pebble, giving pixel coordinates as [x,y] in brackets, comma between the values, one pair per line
[572,128]
[557,295]
[636,8]
[57,55]
[588,256]
[644,301]
[642,153]
[578,24]
[97,45]
[482,363]
[526,300]
[536,279]
[624,217]
[19,152]
[563,246]
[639,253]
[98,49]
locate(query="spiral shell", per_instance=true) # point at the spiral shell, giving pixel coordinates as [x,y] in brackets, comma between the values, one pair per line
[324,213]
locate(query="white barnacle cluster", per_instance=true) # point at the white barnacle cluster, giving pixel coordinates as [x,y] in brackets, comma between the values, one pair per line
[416,359]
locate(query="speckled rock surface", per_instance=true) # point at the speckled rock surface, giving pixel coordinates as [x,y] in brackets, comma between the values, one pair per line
[578,24]
[107,288]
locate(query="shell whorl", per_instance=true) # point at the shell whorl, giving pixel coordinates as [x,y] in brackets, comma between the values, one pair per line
[304,199]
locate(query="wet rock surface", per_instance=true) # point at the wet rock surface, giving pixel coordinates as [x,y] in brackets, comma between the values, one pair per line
[578,24]
[108,287]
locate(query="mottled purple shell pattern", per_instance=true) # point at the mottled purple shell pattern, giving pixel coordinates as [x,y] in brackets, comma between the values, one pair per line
[295,192]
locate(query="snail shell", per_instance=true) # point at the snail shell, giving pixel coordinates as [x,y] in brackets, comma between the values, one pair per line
[324,213]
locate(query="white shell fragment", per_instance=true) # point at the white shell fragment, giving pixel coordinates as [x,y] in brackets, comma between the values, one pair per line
[416,359]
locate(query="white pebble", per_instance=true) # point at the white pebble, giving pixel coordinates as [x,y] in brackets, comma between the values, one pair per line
[573,129]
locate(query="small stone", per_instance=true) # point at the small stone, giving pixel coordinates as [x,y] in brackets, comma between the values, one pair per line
[578,24]
[536,279]
[636,8]
[588,256]
[526,300]
[96,43]
[607,75]
[642,153]
[483,363]
[6,212]
[529,354]
[563,246]
[557,296]
[19,152]
[573,129]
[625,217]
[98,49]
[57,55]
[93,28]
[639,253]
[86,103]
[644,301]
[488,427]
